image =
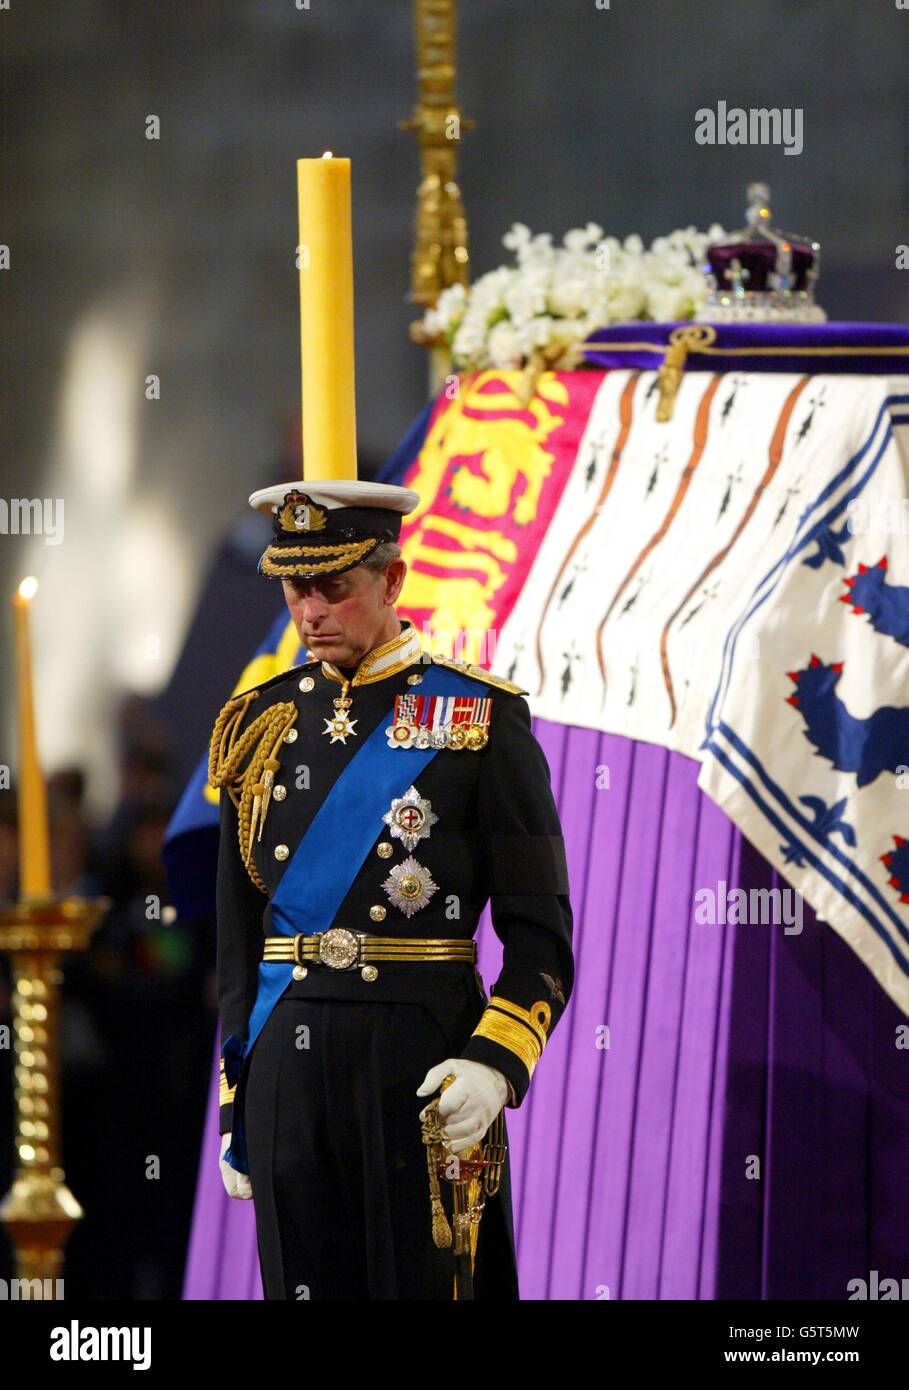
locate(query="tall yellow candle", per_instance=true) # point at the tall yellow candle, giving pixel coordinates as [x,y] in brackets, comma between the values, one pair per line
[34,840]
[325,255]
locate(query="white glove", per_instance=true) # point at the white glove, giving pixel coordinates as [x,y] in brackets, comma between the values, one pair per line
[235,1184]
[470,1104]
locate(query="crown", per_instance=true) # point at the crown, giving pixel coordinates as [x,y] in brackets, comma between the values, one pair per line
[761,274]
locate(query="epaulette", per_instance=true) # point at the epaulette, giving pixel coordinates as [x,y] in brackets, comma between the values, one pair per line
[274,680]
[478,673]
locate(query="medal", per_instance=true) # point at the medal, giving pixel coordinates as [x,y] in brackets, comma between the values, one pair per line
[341,726]
[440,721]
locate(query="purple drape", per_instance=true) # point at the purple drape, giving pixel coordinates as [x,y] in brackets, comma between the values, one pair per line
[875,348]
[722,1112]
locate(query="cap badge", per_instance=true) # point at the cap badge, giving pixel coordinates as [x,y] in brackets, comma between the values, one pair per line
[300,513]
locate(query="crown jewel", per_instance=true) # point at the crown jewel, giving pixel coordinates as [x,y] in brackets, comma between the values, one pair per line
[761,274]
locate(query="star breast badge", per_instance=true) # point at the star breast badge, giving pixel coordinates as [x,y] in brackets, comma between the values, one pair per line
[409,886]
[410,818]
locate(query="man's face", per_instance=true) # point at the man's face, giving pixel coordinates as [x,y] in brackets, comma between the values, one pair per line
[341,617]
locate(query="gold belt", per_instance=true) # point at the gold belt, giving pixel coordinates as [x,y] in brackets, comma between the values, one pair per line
[341,949]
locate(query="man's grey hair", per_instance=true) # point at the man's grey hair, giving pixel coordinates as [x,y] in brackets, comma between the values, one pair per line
[382,556]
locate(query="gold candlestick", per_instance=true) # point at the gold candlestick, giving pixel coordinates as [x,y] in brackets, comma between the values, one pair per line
[440,256]
[39,1211]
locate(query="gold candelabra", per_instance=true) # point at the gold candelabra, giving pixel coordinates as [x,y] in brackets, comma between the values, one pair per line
[39,1211]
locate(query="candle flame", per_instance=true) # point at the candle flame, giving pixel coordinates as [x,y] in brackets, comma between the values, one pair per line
[28,588]
[327,155]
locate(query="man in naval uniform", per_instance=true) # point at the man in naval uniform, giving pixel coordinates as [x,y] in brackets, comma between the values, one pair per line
[373,800]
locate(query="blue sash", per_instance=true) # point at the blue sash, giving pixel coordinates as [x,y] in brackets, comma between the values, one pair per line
[318,878]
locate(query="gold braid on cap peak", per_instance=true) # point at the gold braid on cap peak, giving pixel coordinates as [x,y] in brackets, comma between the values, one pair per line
[250,789]
[347,553]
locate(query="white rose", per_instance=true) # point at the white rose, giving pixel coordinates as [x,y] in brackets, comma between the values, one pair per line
[541,330]
[468,343]
[450,305]
[518,236]
[537,251]
[432,324]
[569,296]
[579,239]
[525,298]
[665,304]
[626,301]
[503,347]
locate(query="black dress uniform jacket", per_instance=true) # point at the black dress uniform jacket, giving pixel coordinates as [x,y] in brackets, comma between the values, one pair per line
[337,1165]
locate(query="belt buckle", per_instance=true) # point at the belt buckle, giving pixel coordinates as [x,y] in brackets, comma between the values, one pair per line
[338,948]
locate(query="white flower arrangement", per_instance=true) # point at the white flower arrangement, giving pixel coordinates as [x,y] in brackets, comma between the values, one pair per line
[539,311]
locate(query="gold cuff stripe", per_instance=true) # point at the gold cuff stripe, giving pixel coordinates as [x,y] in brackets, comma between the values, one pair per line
[536,1018]
[510,1034]
[521,1031]
[225,1092]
